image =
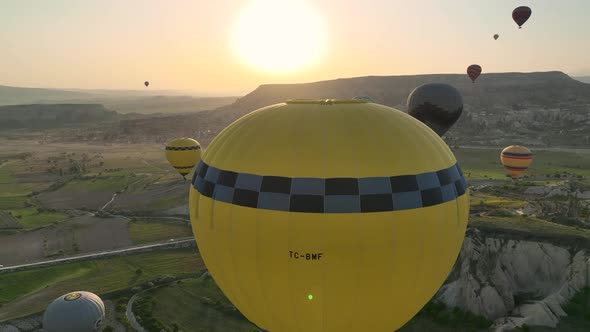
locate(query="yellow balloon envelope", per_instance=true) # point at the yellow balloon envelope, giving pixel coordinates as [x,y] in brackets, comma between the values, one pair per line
[516,159]
[183,154]
[329,216]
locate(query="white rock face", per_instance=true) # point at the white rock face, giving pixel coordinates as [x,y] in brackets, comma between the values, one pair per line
[490,272]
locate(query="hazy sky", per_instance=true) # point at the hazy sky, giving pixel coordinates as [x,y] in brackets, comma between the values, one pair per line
[186,44]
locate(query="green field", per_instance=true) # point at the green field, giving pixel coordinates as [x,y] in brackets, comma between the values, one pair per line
[19,189]
[477,198]
[482,163]
[529,225]
[169,202]
[6,176]
[12,202]
[101,183]
[149,232]
[31,218]
[30,291]
[196,305]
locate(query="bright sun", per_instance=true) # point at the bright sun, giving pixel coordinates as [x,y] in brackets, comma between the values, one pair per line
[279,35]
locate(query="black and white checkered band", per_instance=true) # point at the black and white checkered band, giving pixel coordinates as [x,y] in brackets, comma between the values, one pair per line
[333,195]
[183,148]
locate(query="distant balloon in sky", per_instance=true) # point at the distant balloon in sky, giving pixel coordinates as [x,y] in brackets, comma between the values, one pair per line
[146,83]
[436,105]
[74,312]
[473,72]
[520,15]
[496,36]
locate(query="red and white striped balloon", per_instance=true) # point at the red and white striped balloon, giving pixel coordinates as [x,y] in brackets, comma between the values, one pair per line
[473,72]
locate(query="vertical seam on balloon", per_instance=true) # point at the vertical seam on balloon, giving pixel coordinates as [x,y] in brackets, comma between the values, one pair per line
[358,221]
[263,297]
[420,226]
[269,312]
[290,217]
[322,249]
[236,288]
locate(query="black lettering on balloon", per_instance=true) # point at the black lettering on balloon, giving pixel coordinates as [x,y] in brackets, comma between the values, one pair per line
[307,256]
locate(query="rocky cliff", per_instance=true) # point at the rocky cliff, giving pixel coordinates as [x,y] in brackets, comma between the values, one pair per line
[534,109]
[515,282]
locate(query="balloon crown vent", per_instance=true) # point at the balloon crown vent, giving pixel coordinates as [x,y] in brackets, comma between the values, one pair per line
[326,101]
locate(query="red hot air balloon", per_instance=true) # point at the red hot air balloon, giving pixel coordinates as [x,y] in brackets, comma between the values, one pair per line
[473,72]
[521,15]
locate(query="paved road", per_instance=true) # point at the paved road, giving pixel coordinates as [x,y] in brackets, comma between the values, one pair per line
[131,317]
[97,255]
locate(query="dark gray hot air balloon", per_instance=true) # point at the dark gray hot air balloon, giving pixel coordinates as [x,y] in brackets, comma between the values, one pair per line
[74,312]
[436,105]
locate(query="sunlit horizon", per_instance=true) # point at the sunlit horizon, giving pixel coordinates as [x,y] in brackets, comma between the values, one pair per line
[114,45]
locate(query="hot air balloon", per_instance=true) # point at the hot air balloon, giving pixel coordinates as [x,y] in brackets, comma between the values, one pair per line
[146,83]
[473,72]
[521,14]
[183,154]
[74,312]
[496,36]
[437,105]
[307,227]
[516,159]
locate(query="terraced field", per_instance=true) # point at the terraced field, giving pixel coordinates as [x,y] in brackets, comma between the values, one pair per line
[27,292]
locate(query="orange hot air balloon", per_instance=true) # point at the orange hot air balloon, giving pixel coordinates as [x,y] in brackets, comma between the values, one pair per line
[473,72]
[516,159]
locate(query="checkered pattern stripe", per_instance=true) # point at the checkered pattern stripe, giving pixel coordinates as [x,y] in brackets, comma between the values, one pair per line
[182,148]
[334,195]
[184,167]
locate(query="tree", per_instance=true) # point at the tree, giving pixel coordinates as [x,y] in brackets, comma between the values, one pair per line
[138,271]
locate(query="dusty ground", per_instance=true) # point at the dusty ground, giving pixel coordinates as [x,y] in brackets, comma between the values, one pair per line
[142,200]
[37,177]
[181,210]
[75,199]
[96,234]
[8,222]
[89,234]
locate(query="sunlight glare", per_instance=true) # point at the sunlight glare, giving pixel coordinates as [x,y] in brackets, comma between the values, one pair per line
[279,35]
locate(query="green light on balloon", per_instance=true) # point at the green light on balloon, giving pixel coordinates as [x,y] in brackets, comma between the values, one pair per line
[310,297]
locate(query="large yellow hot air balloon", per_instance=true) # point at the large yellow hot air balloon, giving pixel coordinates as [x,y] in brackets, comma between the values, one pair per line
[516,159]
[328,216]
[183,154]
